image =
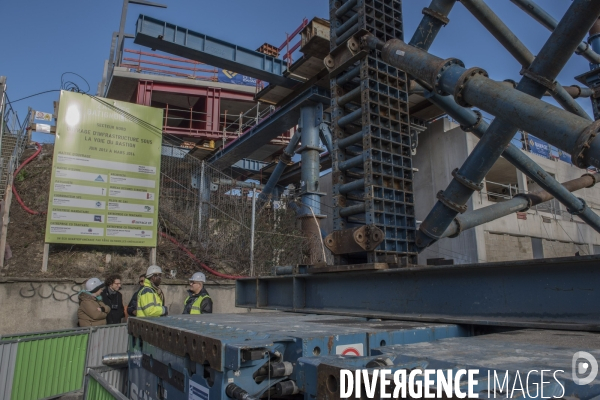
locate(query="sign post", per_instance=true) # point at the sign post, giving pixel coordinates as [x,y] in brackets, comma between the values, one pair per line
[105,173]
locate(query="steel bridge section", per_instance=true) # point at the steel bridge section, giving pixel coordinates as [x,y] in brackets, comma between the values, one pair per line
[268,129]
[372,160]
[173,39]
[558,293]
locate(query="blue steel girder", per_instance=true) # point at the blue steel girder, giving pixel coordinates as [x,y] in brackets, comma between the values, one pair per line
[558,293]
[173,39]
[274,125]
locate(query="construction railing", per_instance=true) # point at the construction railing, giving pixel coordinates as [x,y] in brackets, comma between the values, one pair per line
[48,364]
[15,135]
[144,62]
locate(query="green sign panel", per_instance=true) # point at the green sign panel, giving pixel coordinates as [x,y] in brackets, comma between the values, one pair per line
[105,173]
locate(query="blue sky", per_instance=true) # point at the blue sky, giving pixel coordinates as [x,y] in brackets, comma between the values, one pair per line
[42,40]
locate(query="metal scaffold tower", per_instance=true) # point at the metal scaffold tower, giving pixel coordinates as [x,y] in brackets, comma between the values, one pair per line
[372,165]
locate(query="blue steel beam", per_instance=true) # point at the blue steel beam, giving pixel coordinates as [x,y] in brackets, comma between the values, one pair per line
[434,18]
[173,39]
[557,293]
[274,125]
[546,66]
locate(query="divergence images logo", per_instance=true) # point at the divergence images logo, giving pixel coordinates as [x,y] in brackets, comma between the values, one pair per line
[584,363]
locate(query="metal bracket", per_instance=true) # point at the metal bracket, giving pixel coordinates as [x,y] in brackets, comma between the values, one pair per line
[526,197]
[474,126]
[462,81]
[545,82]
[583,143]
[450,204]
[466,181]
[434,14]
[438,75]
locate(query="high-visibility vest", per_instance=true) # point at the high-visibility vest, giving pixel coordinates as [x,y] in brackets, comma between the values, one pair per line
[149,302]
[196,304]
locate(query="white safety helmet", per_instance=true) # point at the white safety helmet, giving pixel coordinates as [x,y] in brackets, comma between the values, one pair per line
[198,277]
[153,269]
[93,284]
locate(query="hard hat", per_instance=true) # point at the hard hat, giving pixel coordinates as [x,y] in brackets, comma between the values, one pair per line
[93,284]
[198,277]
[153,269]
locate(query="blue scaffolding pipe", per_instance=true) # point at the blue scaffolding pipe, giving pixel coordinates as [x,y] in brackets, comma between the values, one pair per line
[546,66]
[519,51]
[472,122]
[540,15]
[284,160]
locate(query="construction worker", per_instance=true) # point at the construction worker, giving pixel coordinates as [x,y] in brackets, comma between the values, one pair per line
[198,300]
[150,298]
[92,311]
[132,306]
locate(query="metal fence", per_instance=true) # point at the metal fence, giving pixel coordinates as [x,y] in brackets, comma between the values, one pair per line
[212,213]
[46,364]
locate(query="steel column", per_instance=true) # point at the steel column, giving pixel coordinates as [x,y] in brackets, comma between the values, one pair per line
[144,92]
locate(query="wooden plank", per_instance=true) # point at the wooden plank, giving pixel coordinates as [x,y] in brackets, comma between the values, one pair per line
[153,256]
[346,268]
[45,257]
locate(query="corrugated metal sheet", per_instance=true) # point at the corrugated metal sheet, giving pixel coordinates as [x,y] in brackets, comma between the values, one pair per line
[108,339]
[8,356]
[116,378]
[97,388]
[39,334]
[50,366]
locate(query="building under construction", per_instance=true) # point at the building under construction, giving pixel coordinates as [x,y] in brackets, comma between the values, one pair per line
[432,237]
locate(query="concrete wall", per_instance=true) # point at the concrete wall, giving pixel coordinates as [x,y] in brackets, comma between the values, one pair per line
[501,247]
[40,305]
[443,147]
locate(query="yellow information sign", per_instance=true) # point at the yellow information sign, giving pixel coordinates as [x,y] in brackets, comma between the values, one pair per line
[105,173]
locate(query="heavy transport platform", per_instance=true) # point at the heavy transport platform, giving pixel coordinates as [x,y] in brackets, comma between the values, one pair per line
[283,355]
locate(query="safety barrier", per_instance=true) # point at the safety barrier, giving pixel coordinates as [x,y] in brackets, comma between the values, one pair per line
[44,364]
[99,388]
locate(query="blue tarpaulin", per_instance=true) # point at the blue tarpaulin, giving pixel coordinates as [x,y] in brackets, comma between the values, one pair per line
[564,156]
[539,147]
[235,78]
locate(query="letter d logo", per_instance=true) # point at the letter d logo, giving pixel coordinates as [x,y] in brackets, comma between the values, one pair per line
[590,365]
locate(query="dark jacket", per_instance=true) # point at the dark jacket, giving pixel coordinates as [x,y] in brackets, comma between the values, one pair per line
[132,306]
[205,305]
[91,312]
[114,301]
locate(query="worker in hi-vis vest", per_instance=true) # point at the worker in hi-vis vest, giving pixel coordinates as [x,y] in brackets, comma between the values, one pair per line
[198,301]
[150,298]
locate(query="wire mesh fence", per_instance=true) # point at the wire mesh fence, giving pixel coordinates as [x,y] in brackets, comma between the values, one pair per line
[211,213]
